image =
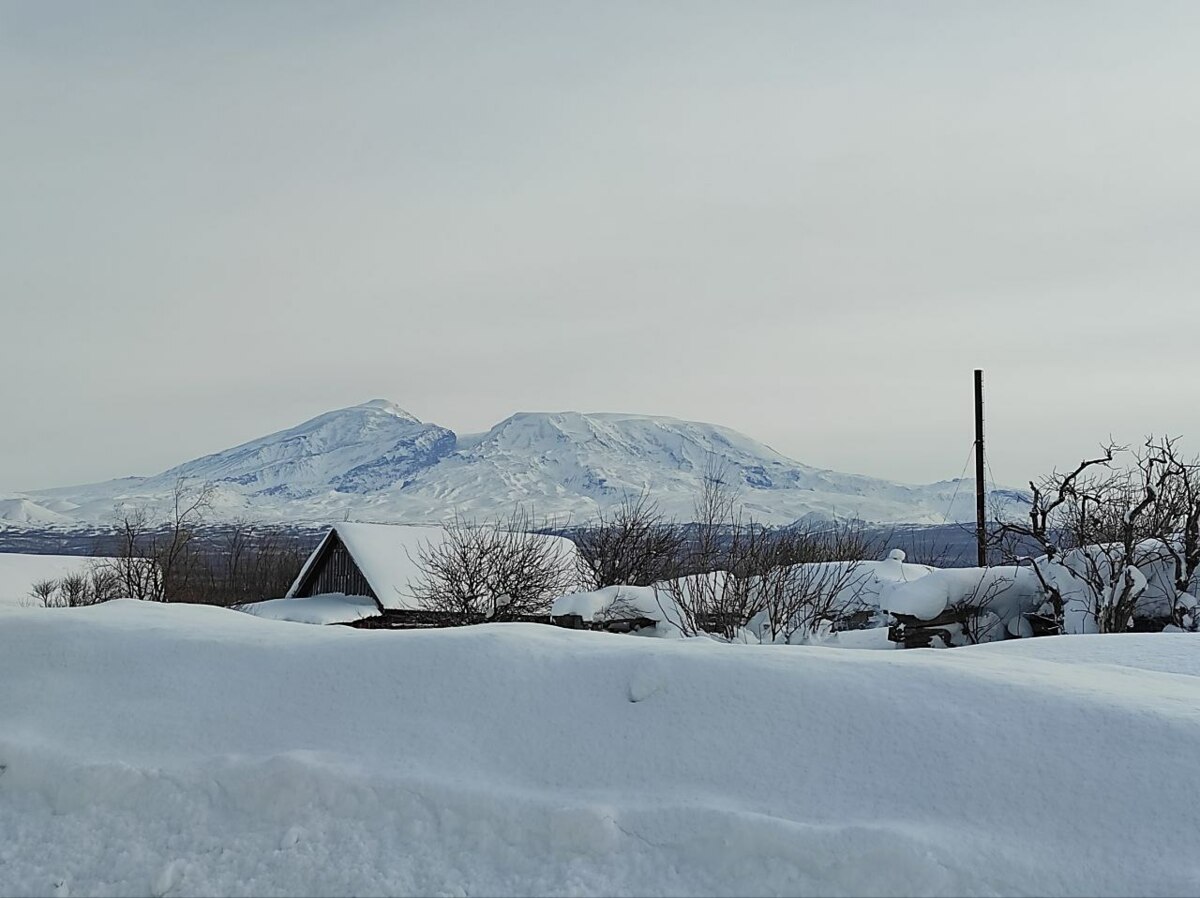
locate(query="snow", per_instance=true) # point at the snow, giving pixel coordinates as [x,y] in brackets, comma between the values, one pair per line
[621,602]
[389,557]
[376,462]
[1007,591]
[324,609]
[190,750]
[20,510]
[19,572]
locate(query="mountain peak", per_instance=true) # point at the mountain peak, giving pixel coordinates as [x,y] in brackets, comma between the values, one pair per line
[386,405]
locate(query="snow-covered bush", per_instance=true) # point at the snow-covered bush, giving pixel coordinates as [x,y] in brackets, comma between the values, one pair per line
[786,581]
[1106,529]
[974,605]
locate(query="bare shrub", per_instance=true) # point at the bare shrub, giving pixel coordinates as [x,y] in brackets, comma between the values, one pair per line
[74,590]
[498,571]
[722,553]
[632,546]
[812,577]
[44,593]
[974,608]
[90,586]
[735,569]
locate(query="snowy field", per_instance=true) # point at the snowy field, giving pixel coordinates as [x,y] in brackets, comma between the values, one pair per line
[184,750]
[18,574]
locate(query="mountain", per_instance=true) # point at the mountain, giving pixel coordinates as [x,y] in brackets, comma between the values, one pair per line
[376,461]
[353,450]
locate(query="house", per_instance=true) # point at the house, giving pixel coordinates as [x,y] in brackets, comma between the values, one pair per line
[356,562]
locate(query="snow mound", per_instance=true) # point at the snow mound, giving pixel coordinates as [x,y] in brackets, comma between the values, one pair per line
[323,609]
[187,750]
[1007,591]
[23,511]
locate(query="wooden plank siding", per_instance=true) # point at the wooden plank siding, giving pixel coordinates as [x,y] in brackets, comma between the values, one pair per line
[335,571]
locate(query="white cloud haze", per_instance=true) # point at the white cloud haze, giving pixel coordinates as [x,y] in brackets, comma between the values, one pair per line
[807,221]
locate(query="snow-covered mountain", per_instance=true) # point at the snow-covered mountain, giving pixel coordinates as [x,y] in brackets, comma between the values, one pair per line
[361,449]
[377,462]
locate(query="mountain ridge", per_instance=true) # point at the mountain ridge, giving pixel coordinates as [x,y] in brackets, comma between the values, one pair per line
[376,461]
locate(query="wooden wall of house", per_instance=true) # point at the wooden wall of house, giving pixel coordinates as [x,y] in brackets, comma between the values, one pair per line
[336,572]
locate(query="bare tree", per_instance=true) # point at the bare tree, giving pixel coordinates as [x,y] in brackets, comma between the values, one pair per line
[174,554]
[1178,525]
[812,577]
[157,562]
[632,546]
[1052,505]
[496,571]
[236,545]
[1097,526]
[132,564]
[245,564]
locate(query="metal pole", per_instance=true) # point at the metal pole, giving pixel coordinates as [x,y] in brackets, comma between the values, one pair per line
[980,487]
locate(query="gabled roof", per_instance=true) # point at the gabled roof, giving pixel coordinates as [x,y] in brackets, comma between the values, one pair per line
[387,555]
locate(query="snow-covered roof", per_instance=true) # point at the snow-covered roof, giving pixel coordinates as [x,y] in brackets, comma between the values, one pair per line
[388,556]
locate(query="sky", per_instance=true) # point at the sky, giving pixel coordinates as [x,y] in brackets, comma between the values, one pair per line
[806,221]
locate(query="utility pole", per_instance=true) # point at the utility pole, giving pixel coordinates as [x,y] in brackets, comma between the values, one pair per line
[980,491]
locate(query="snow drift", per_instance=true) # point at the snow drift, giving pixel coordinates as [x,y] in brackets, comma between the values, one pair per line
[183,750]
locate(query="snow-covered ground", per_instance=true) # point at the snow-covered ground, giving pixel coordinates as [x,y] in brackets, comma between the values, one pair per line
[19,572]
[324,609]
[185,750]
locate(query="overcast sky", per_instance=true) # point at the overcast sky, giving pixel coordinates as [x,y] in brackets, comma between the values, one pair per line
[806,221]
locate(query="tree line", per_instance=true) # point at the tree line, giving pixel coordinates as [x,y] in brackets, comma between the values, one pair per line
[171,558]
